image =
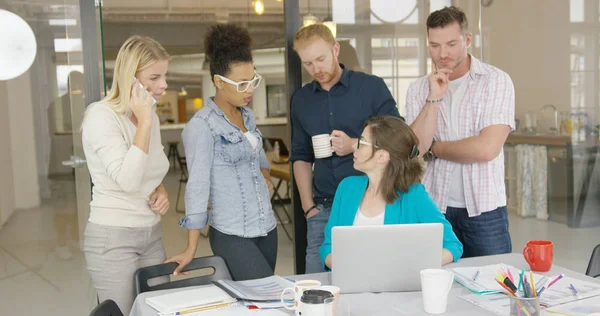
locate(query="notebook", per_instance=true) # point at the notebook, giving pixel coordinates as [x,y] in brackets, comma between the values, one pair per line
[205,296]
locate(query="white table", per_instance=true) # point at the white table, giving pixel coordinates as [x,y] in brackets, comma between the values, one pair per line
[396,303]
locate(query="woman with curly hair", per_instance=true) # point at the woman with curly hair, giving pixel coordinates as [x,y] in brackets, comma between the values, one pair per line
[228,166]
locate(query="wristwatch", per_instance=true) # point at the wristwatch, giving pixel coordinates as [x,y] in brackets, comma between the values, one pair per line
[429,155]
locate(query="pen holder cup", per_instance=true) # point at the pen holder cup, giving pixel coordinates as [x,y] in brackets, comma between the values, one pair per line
[521,306]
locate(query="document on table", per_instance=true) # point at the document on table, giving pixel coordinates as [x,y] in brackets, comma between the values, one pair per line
[498,304]
[577,308]
[586,302]
[559,293]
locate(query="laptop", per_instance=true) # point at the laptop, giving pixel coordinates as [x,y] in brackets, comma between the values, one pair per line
[385,258]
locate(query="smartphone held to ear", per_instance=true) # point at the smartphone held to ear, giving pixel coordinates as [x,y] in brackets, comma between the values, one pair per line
[141,86]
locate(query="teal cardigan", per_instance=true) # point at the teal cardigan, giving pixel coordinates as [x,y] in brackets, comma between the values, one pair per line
[412,207]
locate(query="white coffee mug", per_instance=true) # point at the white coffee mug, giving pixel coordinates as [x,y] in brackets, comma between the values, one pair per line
[298,289]
[322,146]
[436,284]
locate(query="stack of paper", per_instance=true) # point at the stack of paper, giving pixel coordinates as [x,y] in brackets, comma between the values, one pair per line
[197,299]
[260,290]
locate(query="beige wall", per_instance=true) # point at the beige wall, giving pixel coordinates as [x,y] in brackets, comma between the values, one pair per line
[530,40]
[19,186]
[7,199]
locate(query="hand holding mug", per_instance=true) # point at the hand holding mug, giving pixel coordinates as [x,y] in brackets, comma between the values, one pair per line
[342,144]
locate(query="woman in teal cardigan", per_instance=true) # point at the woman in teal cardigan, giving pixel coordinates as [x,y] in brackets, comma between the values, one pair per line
[390,192]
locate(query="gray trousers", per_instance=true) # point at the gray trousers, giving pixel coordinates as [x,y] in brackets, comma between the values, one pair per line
[113,254]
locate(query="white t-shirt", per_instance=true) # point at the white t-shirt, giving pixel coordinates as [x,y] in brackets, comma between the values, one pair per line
[361,220]
[456,195]
[252,139]
[124,176]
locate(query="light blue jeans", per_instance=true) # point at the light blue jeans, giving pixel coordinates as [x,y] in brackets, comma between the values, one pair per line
[315,234]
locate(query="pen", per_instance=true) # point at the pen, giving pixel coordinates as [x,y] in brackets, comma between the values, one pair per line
[572,288]
[532,281]
[541,290]
[560,276]
[201,309]
[476,275]
[521,279]
[505,287]
[541,282]
[510,275]
[510,285]
[499,276]
[527,290]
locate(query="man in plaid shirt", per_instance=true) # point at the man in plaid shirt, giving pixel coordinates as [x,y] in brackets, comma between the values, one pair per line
[462,113]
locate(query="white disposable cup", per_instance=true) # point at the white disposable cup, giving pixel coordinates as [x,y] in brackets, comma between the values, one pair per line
[435,285]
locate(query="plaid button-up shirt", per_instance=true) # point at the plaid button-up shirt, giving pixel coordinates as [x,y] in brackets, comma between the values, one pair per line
[489,99]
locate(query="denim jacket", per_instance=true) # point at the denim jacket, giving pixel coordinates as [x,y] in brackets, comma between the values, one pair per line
[225,169]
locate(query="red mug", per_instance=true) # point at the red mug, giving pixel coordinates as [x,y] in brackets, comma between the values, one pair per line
[539,255]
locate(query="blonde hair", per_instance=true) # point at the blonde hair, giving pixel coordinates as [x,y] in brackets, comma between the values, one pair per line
[136,54]
[311,32]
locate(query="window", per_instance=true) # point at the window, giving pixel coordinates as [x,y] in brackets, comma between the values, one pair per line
[276,104]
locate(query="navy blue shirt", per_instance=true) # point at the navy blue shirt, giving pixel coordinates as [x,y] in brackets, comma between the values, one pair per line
[345,107]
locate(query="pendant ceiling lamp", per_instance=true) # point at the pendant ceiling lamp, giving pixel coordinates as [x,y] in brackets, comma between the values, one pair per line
[17,45]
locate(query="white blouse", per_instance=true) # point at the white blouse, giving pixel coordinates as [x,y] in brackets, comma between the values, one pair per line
[361,220]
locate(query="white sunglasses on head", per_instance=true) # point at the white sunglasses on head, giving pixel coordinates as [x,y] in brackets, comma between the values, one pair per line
[243,86]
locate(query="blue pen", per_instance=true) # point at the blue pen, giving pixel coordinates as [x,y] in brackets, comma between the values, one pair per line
[476,275]
[572,288]
[539,292]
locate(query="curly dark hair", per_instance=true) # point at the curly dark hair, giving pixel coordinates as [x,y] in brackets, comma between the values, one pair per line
[227,44]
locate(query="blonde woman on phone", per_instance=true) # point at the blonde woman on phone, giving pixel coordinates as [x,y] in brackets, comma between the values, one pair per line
[127,163]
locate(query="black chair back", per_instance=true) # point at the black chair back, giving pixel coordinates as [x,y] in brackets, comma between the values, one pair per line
[107,308]
[221,272]
[593,268]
